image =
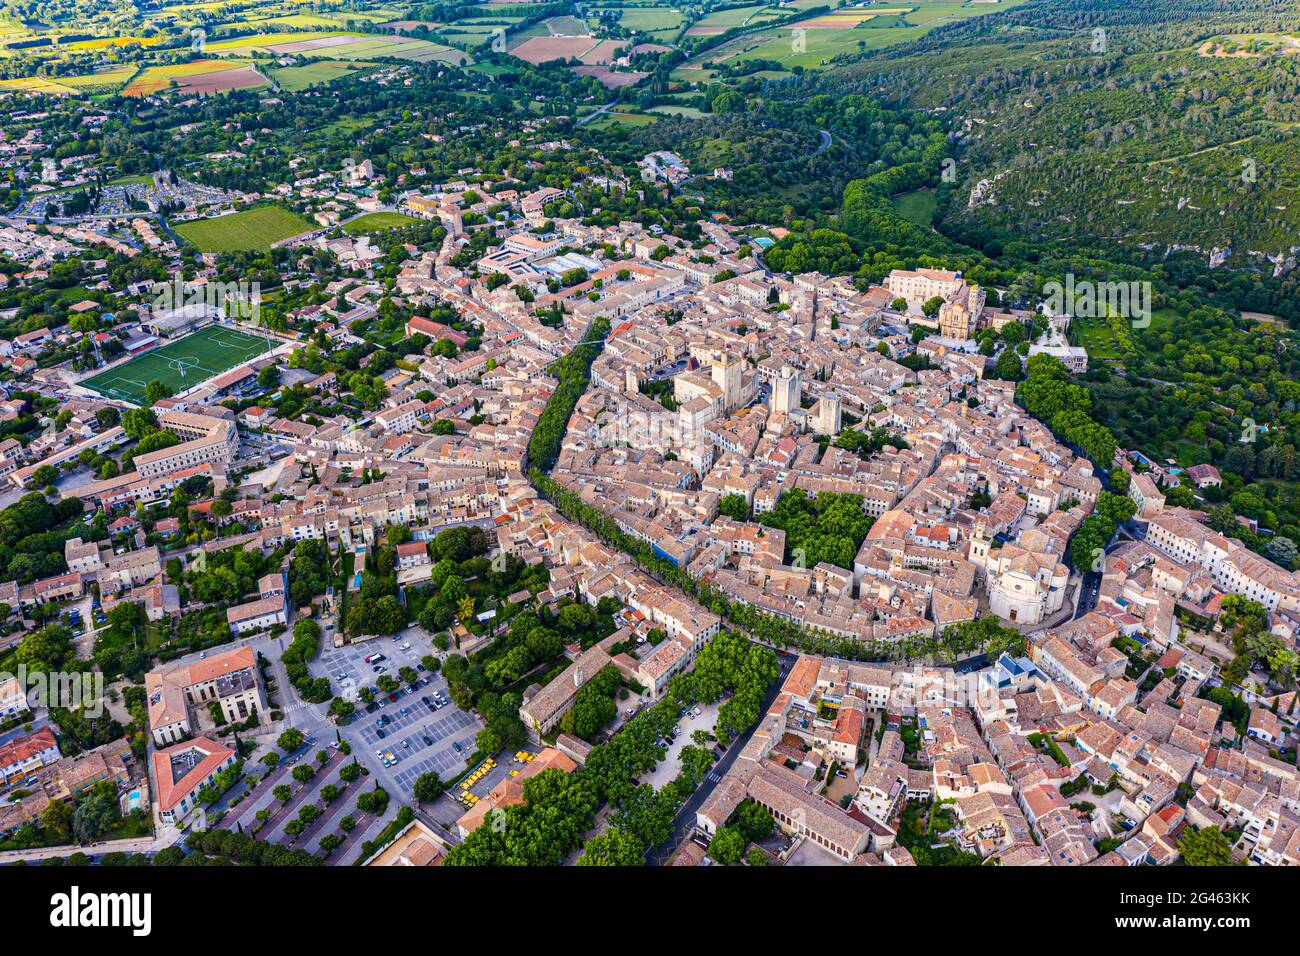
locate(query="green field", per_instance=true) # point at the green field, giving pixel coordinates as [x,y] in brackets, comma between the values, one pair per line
[297,78]
[918,206]
[1095,336]
[358,46]
[252,229]
[662,23]
[812,47]
[378,221]
[669,109]
[625,119]
[202,355]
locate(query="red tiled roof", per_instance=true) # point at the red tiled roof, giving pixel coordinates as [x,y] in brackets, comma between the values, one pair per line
[24,748]
[170,791]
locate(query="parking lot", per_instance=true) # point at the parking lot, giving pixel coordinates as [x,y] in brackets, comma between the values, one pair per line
[448,808]
[348,672]
[419,731]
[668,371]
[422,739]
[671,765]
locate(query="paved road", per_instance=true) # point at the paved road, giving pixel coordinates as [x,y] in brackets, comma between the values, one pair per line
[685,821]
[600,112]
[163,837]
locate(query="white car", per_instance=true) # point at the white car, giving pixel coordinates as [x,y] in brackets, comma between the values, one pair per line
[406,646]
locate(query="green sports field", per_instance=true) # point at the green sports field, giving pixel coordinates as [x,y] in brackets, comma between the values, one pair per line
[253,229]
[203,355]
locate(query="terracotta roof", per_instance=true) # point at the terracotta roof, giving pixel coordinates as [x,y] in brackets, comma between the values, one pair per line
[24,748]
[207,756]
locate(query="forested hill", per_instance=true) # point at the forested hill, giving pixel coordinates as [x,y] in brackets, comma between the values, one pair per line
[1167,124]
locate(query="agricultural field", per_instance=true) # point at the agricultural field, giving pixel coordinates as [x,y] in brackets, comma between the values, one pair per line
[566,38]
[720,21]
[668,109]
[337,46]
[610,78]
[627,119]
[297,78]
[38,84]
[252,229]
[476,33]
[293,11]
[105,43]
[106,81]
[1249,46]
[545,49]
[378,222]
[86,84]
[406,26]
[662,23]
[815,42]
[198,76]
[181,364]
[565,27]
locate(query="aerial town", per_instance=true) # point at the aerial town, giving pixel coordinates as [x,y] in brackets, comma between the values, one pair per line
[780,457]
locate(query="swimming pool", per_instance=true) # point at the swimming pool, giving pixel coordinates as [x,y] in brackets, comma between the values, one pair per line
[133,801]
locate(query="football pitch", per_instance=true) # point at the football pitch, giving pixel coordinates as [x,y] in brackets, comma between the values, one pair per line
[181,364]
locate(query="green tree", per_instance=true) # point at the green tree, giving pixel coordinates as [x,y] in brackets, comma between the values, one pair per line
[727,846]
[1207,846]
[156,391]
[734,507]
[428,787]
